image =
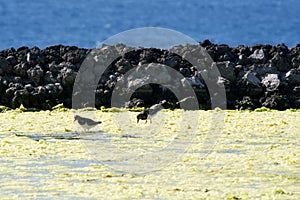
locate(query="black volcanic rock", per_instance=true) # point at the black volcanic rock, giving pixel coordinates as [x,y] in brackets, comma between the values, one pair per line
[5,66]
[255,76]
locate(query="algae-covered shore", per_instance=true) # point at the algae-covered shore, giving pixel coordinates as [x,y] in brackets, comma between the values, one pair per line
[256,156]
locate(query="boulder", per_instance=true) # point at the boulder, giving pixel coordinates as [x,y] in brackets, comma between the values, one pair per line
[227,70]
[29,88]
[5,66]
[258,56]
[193,81]
[12,60]
[271,82]
[249,85]
[49,77]
[277,101]
[21,97]
[243,60]
[296,62]
[134,103]
[67,76]
[184,71]
[296,90]
[263,69]
[123,65]
[281,62]
[38,77]
[250,79]
[205,43]
[293,77]
[247,103]
[21,70]
[35,74]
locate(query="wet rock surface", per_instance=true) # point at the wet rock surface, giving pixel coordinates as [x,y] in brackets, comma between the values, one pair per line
[255,76]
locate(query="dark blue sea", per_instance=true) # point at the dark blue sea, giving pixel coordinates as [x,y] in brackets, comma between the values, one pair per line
[85,23]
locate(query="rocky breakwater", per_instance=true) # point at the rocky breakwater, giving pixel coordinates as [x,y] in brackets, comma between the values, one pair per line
[39,78]
[260,75]
[255,76]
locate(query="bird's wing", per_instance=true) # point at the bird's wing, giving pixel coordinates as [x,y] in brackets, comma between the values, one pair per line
[185,99]
[155,109]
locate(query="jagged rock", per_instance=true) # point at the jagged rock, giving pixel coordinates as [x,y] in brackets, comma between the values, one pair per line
[245,104]
[222,81]
[243,50]
[29,87]
[243,60]
[20,97]
[9,93]
[296,104]
[222,49]
[258,56]
[54,90]
[11,60]
[223,53]
[263,69]
[39,78]
[205,43]
[293,77]
[134,103]
[18,79]
[171,62]
[5,67]
[296,62]
[227,70]
[296,90]
[54,68]
[249,85]
[50,78]
[184,71]
[18,86]
[68,77]
[123,65]
[276,101]
[193,81]
[31,58]
[281,62]
[271,82]
[21,70]
[35,74]
[250,79]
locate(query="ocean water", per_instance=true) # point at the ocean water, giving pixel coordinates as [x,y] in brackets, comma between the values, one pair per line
[85,23]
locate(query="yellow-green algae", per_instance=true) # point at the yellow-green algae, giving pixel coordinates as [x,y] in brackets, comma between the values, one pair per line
[257,156]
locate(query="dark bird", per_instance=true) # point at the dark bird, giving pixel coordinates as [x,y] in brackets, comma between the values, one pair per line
[142,115]
[86,123]
[150,112]
[153,110]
